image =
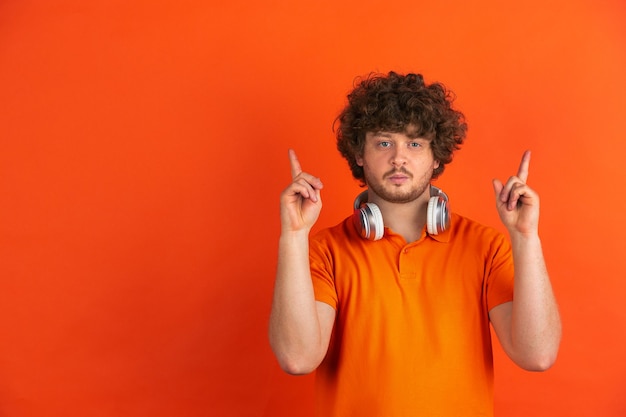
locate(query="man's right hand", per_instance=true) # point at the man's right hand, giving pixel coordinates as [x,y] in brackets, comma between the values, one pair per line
[300,202]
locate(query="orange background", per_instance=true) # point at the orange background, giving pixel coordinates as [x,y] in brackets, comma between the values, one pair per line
[144,147]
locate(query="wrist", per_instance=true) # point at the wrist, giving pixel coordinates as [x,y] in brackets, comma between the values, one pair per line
[294,235]
[525,238]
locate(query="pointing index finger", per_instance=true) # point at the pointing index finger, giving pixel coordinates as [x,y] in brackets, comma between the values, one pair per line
[522,172]
[296,169]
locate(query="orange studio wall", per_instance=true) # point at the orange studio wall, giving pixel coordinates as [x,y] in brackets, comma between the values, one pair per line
[143,147]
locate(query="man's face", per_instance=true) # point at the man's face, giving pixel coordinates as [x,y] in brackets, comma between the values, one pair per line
[397,167]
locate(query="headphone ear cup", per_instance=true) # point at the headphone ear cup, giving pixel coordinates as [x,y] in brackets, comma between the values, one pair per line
[369,221]
[437,217]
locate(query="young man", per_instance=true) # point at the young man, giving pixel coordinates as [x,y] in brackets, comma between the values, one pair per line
[393,305]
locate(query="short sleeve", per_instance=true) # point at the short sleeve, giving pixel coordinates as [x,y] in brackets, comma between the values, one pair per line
[500,273]
[322,271]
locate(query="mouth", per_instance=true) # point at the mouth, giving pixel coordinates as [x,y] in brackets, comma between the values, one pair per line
[398,180]
[397,177]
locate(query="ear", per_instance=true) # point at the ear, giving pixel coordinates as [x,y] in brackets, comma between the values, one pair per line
[359,160]
[436,164]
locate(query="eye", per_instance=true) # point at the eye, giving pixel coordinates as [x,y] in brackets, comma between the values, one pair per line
[415,144]
[384,144]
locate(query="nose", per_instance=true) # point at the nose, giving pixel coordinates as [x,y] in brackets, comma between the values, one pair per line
[398,157]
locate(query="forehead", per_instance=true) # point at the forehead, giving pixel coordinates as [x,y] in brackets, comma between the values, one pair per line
[414,131]
[411,130]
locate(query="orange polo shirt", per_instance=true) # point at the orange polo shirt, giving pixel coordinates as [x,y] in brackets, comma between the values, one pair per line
[412,335]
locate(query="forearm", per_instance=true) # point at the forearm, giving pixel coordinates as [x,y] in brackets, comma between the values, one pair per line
[535,320]
[295,332]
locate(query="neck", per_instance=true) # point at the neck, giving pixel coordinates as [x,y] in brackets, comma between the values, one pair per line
[406,219]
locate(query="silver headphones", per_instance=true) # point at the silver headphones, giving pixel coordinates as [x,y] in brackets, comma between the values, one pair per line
[369,220]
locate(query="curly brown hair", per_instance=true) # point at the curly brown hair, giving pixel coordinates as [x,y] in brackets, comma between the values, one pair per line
[391,103]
